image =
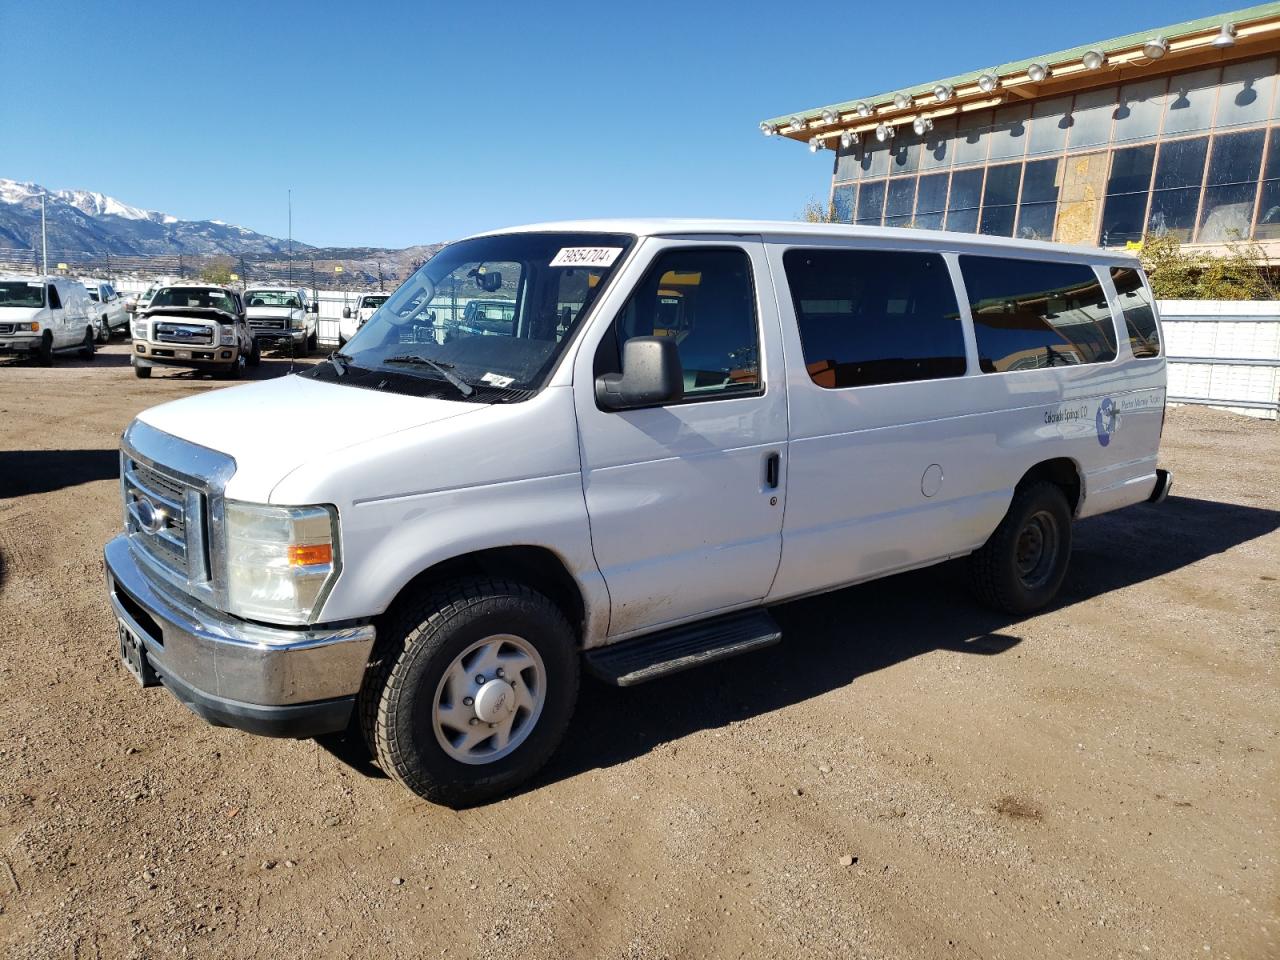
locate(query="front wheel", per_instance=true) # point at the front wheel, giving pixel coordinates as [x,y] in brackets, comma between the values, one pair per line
[44,353]
[470,690]
[1021,566]
[104,330]
[255,355]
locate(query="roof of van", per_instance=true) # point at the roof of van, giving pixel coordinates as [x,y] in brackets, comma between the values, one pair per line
[898,236]
[36,278]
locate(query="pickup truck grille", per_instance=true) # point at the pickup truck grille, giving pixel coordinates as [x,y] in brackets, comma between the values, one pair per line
[183,333]
[268,323]
[161,510]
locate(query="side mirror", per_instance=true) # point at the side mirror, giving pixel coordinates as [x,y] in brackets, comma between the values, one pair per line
[315,306]
[651,376]
[346,313]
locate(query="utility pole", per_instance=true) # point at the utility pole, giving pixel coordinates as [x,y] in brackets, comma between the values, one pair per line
[44,241]
[289,269]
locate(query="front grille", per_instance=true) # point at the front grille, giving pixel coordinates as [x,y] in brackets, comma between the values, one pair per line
[183,333]
[268,323]
[6,328]
[162,509]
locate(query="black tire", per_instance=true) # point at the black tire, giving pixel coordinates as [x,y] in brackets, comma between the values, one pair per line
[313,341]
[1022,565]
[255,355]
[142,373]
[104,330]
[418,643]
[44,354]
[233,372]
[90,345]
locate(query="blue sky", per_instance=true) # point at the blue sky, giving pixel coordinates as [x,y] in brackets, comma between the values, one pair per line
[402,123]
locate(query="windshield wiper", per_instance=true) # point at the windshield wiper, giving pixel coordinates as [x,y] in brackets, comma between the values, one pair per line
[339,361]
[441,368]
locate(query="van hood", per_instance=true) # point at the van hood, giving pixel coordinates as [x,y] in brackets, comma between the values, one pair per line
[19,314]
[273,427]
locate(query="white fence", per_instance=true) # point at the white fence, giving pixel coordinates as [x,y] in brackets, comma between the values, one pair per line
[1224,353]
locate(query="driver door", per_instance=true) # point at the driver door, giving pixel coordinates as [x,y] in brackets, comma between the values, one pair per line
[685,500]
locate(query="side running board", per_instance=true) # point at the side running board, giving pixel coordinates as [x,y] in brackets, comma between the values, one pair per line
[669,651]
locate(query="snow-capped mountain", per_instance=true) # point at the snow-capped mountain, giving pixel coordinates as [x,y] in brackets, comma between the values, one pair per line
[87,222]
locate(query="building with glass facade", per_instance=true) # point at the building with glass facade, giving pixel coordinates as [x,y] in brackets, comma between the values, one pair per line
[1175,130]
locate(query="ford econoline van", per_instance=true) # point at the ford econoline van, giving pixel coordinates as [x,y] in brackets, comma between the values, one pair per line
[669,427]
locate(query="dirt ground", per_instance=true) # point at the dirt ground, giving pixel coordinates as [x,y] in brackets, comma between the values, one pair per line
[904,776]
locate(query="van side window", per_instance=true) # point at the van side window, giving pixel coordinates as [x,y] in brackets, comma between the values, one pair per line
[704,300]
[875,316]
[55,301]
[1139,318]
[1031,314]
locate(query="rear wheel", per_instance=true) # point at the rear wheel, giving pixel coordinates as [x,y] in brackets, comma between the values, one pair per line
[470,690]
[89,347]
[1021,567]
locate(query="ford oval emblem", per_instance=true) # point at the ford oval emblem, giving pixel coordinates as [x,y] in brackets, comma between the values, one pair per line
[150,517]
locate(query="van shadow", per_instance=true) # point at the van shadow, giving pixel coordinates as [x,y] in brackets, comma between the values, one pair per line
[832,640]
[24,472]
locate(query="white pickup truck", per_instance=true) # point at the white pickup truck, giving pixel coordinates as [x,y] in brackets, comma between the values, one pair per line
[279,314]
[681,424]
[111,314]
[355,317]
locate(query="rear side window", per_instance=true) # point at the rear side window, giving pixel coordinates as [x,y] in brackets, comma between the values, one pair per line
[1031,314]
[875,316]
[704,299]
[55,301]
[1135,305]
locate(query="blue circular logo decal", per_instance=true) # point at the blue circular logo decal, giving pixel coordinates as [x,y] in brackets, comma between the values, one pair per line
[1105,421]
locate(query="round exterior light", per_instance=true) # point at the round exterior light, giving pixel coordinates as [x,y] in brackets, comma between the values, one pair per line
[767,128]
[921,125]
[795,123]
[1155,48]
[862,110]
[848,139]
[901,101]
[815,144]
[943,92]
[1226,36]
[1093,59]
[884,132]
[988,82]
[829,116]
[1038,72]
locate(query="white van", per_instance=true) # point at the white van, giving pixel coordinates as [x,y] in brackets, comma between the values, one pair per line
[41,316]
[684,423]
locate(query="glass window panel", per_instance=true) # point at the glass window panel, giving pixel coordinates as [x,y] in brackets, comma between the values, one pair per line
[966,195]
[1127,188]
[1231,187]
[1091,118]
[842,202]
[870,203]
[931,201]
[1269,202]
[1049,122]
[1030,314]
[1135,306]
[938,145]
[904,154]
[1035,221]
[972,135]
[849,163]
[875,316]
[1190,101]
[1039,200]
[1176,193]
[1009,132]
[1245,94]
[875,158]
[999,199]
[898,204]
[1138,114]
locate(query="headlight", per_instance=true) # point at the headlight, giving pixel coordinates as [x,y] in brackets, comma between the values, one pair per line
[281,561]
[140,330]
[228,336]
[298,322]
[33,327]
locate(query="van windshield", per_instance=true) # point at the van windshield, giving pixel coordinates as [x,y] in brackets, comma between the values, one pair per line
[271,298]
[21,293]
[495,312]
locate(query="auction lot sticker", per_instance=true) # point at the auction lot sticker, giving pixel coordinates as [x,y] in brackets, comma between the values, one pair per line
[586,256]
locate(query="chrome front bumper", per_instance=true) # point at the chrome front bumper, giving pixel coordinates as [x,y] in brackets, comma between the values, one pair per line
[267,680]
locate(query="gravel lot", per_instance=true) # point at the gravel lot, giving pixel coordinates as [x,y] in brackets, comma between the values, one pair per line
[904,776]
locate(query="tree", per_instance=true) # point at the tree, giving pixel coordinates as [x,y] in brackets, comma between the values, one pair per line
[217,271]
[816,212]
[1240,272]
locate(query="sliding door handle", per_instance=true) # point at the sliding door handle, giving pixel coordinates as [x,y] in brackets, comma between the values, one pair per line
[772,469]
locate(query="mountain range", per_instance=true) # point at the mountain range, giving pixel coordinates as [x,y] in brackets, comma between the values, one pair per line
[85,222]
